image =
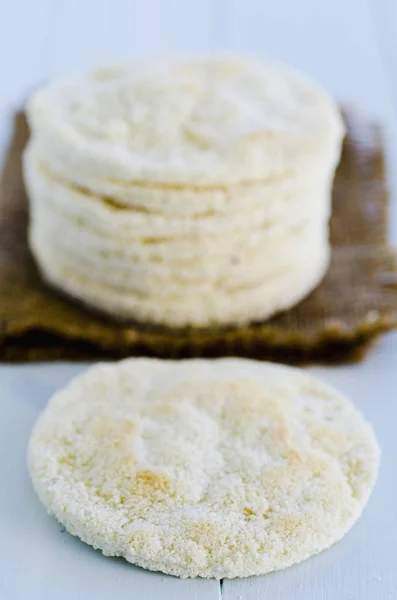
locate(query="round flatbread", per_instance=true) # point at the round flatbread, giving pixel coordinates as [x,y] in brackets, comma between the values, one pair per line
[178,200]
[186,305]
[81,240]
[201,122]
[240,268]
[102,215]
[225,468]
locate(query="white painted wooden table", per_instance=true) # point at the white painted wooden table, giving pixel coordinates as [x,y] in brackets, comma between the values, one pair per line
[348,46]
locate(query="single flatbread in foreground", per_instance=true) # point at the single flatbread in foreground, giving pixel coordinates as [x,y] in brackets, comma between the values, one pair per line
[225,468]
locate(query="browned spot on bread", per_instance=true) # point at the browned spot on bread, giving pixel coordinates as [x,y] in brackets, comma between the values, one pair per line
[149,480]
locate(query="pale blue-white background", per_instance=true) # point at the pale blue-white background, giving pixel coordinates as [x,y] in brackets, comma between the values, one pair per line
[342,43]
[350,47]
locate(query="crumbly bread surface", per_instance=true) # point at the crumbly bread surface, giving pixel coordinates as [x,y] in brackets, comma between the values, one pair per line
[225,468]
[180,305]
[223,164]
[272,209]
[214,121]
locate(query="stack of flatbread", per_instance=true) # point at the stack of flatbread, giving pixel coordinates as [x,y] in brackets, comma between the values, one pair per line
[183,192]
